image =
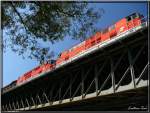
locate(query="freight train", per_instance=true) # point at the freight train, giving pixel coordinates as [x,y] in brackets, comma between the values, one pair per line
[121,26]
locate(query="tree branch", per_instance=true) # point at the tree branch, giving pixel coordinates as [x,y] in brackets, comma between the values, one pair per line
[20,17]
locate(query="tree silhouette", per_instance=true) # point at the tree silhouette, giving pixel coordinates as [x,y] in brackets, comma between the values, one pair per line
[26,24]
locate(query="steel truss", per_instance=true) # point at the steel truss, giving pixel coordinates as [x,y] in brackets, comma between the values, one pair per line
[111,70]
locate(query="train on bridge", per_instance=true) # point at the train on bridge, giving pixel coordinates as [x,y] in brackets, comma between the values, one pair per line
[110,32]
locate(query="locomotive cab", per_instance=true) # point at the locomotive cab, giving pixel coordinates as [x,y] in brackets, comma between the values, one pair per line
[134,16]
[134,20]
[137,15]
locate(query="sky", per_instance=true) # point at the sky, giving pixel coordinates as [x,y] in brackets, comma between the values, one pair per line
[15,66]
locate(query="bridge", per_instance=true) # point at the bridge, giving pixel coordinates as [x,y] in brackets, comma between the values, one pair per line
[112,75]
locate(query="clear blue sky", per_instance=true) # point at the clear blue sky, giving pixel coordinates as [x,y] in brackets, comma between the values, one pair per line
[14,66]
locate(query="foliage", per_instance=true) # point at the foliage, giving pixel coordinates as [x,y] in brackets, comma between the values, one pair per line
[26,24]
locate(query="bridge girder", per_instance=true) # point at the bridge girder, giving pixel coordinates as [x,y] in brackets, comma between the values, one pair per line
[119,67]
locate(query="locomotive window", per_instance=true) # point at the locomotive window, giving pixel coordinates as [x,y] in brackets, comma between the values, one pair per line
[128,18]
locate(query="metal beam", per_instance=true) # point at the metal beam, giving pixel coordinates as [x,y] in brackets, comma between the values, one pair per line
[122,78]
[7,107]
[46,96]
[14,106]
[82,83]
[112,74]
[10,106]
[22,103]
[39,99]
[51,95]
[88,88]
[76,91]
[137,55]
[131,68]
[3,108]
[108,77]
[27,102]
[70,85]
[96,80]
[18,105]
[33,101]
[142,73]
